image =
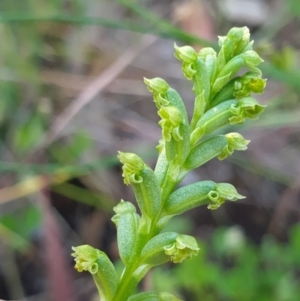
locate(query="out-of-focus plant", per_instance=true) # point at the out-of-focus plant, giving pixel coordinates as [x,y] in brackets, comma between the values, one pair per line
[232,268]
[221,98]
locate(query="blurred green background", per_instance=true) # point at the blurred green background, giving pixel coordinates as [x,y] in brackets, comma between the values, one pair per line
[72,95]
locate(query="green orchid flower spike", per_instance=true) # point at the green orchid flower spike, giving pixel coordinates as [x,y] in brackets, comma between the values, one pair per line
[221,98]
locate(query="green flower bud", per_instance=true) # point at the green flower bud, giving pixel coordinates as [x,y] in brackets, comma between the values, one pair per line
[228,112]
[175,133]
[158,87]
[235,42]
[154,253]
[224,191]
[228,192]
[239,87]
[185,54]
[240,38]
[122,208]
[209,56]
[147,193]
[86,258]
[174,120]
[250,82]
[98,264]
[198,194]
[206,52]
[239,34]
[237,141]
[248,59]
[127,230]
[144,183]
[251,58]
[171,120]
[184,247]
[175,127]
[205,151]
[201,69]
[247,107]
[132,166]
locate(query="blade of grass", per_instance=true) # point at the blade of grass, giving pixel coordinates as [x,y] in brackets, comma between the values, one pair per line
[73,170]
[163,25]
[262,170]
[169,32]
[84,196]
[290,77]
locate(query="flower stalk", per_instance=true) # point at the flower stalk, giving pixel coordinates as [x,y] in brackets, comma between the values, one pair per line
[221,98]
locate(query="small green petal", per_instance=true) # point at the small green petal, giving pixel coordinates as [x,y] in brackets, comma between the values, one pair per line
[246,107]
[251,58]
[235,142]
[248,83]
[228,192]
[184,247]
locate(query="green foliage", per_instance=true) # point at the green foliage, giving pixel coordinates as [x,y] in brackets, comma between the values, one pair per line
[182,148]
[232,268]
[17,229]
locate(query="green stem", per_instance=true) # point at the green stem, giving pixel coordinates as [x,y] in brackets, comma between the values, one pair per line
[128,283]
